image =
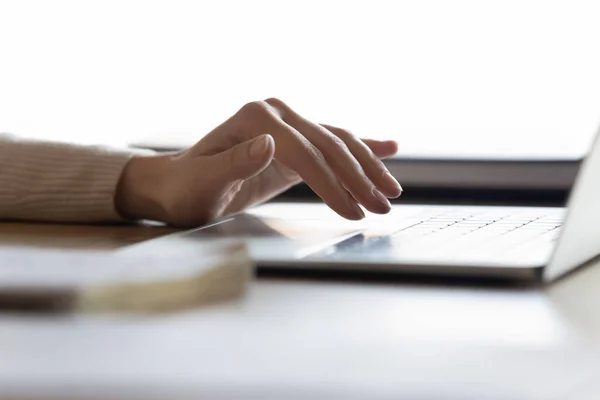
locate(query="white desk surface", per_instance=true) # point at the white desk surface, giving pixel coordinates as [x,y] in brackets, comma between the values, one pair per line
[291,338]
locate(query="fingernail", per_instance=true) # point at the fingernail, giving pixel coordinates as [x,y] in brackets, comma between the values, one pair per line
[382,199]
[391,181]
[258,147]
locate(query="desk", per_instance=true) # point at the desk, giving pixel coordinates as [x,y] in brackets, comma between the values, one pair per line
[310,339]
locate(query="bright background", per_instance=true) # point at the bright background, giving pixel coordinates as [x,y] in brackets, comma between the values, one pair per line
[456,78]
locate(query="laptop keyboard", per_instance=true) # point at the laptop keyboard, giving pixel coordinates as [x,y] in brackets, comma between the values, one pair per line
[455,232]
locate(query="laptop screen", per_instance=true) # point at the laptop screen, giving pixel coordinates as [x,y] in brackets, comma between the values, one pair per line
[578,241]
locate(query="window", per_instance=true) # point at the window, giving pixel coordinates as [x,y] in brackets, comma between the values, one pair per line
[443,77]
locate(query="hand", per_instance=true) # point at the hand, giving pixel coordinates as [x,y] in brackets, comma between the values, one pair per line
[262,150]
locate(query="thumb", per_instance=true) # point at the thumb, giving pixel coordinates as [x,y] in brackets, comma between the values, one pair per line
[244,160]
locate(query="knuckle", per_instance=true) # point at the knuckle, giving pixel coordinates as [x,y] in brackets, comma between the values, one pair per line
[282,109]
[256,110]
[316,155]
[337,142]
[334,147]
[275,102]
[303,152]
[344,134]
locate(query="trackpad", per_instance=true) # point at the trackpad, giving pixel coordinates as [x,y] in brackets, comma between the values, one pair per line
[277,238]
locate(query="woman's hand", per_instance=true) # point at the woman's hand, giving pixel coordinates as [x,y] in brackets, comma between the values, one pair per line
[259,152]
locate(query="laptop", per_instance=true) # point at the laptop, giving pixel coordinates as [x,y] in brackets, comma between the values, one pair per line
[537,244]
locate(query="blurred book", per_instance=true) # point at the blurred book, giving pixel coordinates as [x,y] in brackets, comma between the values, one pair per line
[126,281]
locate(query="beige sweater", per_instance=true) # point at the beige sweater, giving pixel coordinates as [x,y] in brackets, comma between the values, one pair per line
[46,181]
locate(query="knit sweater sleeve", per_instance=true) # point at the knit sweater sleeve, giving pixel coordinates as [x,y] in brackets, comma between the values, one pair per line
[59,182]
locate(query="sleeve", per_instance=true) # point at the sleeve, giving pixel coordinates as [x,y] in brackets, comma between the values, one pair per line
[59,182]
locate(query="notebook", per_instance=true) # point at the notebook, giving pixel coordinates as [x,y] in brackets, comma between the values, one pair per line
[95,281]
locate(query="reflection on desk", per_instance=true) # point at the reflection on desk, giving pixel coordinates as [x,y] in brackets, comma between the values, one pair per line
[292,338]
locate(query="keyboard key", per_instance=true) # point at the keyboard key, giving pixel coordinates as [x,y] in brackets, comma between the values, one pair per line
[458,234]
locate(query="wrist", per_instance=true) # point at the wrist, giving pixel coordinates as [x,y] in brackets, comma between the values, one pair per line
[138,193]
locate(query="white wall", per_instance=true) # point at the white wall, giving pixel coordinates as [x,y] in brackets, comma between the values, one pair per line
[456,77]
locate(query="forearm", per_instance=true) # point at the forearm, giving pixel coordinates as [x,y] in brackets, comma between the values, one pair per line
[47,181]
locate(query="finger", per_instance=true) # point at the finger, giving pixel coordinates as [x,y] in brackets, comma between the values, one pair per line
[297,153]
[370,162]
[339,158]
[242,161]
[382,148]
